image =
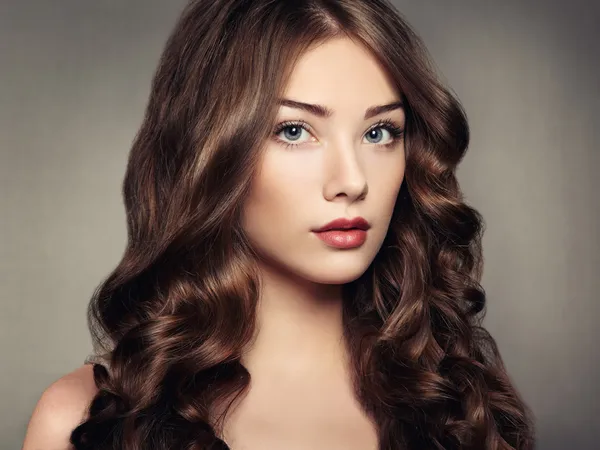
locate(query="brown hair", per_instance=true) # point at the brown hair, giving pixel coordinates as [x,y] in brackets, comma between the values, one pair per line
[174,315]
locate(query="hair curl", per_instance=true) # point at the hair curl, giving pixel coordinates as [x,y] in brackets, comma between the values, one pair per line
[174,315]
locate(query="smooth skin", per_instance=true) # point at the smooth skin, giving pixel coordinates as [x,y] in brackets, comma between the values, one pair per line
[62,406]
[300,395]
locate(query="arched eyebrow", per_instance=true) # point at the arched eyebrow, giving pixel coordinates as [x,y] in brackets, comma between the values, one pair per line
[323,111]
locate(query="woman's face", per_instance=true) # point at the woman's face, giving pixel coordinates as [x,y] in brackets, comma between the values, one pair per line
[338,166]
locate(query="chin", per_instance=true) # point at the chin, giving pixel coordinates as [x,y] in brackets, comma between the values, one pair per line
[339,273]
[339,279]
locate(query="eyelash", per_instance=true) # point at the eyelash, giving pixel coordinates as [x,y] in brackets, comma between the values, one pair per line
[395,131]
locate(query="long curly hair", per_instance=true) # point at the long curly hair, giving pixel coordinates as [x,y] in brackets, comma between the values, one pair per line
[172,318]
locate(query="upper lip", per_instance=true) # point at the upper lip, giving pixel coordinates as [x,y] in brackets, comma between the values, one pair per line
[343,224]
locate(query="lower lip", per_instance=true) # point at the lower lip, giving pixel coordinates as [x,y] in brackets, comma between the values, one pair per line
[343,238]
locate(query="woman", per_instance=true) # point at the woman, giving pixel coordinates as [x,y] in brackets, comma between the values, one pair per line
[243,314]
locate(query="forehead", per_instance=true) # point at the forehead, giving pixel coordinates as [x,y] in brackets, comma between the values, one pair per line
[341,74]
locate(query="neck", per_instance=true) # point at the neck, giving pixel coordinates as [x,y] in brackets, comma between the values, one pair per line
[299,326]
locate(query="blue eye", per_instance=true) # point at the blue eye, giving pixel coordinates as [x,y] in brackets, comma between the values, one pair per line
[293,131]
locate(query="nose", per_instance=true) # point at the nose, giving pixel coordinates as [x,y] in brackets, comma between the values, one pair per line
[344,176]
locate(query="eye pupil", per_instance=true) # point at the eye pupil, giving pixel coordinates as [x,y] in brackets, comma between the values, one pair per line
[374,133]
[296,131]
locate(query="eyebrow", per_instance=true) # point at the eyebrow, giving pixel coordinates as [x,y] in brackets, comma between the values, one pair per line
[323,111]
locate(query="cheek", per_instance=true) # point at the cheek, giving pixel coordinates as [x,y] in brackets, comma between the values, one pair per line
[276,190]
[385,181]
[278,196]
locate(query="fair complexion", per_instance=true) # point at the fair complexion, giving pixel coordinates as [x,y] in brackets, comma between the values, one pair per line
[318,166]
[339,167]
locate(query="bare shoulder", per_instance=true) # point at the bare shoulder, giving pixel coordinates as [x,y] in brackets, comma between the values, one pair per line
[61,407]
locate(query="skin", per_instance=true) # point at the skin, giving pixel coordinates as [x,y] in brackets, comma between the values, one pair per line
[300,395]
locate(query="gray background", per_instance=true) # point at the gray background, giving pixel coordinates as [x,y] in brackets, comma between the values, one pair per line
[74,81]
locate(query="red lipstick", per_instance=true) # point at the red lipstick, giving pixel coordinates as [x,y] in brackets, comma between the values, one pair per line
[344,233]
